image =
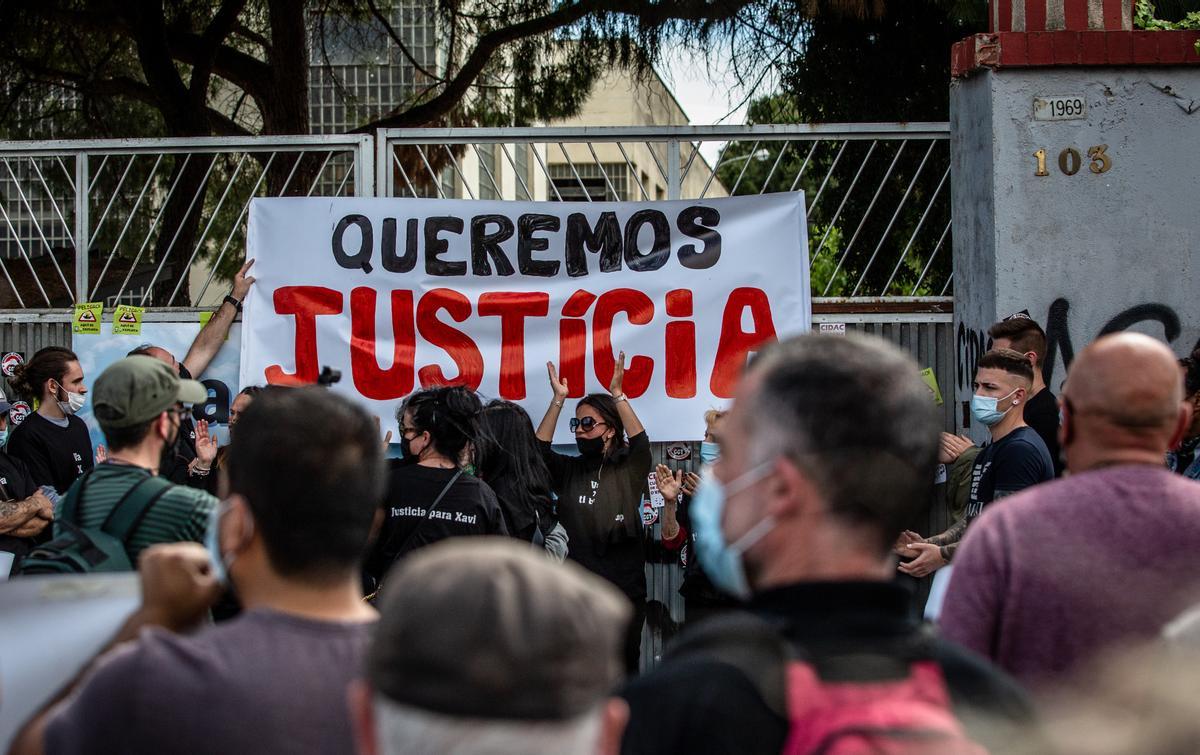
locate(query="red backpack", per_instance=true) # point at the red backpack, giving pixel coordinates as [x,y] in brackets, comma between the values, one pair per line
[869,702]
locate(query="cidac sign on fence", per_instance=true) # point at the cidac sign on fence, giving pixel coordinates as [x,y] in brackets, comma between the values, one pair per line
[403,293]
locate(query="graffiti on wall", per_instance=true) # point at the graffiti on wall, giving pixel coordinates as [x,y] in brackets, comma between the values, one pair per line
[972,343]
[1058,331]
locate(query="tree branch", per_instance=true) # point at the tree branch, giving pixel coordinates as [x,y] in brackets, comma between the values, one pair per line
[210,42]
[489,43]
[382,19]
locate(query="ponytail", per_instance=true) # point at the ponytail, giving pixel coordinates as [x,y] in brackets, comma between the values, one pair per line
[50,363]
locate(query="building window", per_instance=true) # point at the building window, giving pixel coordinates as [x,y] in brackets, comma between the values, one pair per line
[590,185]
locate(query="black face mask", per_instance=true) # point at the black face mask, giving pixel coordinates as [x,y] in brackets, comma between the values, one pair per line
[590,448]
[406,448]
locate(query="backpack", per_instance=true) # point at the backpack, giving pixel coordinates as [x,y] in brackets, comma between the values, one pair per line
[79,550]
[865,702]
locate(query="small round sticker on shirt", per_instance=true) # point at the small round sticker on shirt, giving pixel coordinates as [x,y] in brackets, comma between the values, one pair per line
[683,555]
[649,513]
[18,412]
[9,362]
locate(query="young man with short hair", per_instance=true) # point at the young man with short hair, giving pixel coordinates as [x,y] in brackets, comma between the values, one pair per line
[1022,334]
[1015,459]
[290,536]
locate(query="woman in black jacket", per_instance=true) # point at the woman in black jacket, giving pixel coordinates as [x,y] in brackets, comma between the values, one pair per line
[600,491]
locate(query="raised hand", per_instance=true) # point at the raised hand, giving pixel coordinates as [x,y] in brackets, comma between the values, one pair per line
[178,585]
[669,483]
[559,386]
[101,454]
[691,481]
[206,445]
[618,378]
[242,282]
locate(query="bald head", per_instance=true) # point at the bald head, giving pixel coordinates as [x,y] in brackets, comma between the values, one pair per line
[159,353]
[1123,403]
[1130,379]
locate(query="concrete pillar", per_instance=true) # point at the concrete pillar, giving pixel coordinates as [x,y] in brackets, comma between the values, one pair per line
[1076,179]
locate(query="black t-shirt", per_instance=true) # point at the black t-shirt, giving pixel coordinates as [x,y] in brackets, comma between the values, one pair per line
[468,508]
[1007,466]
[54,455]
[599,507]
[698,704]
[1041,413]
[17,485]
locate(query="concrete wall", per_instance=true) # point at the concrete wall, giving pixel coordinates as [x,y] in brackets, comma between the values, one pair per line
[1088,252]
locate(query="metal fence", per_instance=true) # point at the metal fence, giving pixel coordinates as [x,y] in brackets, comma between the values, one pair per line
[151,222]
[878,195]
[161,221]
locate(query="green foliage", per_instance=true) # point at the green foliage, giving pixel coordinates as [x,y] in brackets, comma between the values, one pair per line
[1144,17]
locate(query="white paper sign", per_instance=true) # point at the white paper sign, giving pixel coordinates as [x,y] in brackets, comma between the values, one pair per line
[403,293]
[49,628]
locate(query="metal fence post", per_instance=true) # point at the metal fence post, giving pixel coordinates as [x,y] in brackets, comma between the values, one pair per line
[383,167]
[364,167]
[82,226]
[674,179]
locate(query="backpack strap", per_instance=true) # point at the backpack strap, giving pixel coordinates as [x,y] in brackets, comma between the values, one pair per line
[69,505]
[125,517]
[750,644]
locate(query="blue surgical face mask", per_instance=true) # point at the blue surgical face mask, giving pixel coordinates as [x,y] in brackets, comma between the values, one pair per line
[983,408]
[709,452]
[3,437]
[722,561]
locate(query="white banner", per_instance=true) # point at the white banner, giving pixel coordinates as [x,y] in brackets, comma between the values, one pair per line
[403,293]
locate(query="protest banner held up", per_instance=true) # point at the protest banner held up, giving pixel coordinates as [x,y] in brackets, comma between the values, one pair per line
[401,293]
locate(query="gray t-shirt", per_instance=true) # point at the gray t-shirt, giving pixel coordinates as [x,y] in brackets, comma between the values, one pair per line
[266,682]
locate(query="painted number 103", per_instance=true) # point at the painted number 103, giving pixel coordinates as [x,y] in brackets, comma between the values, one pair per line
[1070,160]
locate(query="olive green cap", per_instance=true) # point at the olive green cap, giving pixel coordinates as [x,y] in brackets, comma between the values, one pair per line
[136,389]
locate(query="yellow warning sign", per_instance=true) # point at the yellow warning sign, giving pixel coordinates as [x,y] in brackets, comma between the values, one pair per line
[87,318]
[127,320]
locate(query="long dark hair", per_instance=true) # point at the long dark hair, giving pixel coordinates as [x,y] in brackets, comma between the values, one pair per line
[50,363]
[450,414]
[509,460]
[606,407]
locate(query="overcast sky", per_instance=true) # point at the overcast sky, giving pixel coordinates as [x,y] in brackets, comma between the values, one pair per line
[708,97]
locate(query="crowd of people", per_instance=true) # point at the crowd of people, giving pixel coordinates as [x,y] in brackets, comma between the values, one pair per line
[486,591]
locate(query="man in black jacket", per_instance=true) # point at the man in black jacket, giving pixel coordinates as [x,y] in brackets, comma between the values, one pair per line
[828,449]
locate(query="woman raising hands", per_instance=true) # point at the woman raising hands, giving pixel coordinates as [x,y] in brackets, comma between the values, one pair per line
[600,491]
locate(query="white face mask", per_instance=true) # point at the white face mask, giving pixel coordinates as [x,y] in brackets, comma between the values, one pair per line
[74,402]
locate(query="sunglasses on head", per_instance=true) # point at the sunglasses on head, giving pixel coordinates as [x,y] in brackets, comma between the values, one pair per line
[587,423]
[1022,315]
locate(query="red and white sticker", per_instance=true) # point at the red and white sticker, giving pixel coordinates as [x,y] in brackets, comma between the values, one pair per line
[649,513]
[10,362]
[19,411]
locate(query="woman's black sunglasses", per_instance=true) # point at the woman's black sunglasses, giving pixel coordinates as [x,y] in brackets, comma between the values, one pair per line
[587,423]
